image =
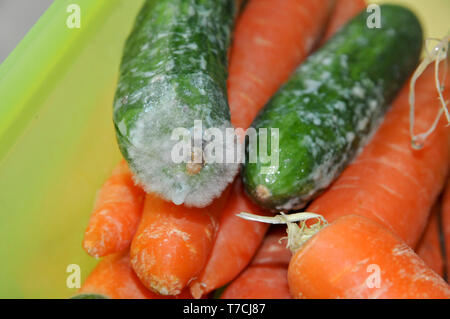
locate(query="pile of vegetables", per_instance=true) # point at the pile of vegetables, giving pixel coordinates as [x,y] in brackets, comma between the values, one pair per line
[356,185]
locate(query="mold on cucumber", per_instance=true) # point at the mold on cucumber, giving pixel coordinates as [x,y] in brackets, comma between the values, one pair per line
[173,72]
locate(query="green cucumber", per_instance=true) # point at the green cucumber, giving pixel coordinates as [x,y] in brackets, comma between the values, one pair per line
[331,105]
[173,72]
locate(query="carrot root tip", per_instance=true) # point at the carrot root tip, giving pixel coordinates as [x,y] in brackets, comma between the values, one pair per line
[197,290]
[437,54]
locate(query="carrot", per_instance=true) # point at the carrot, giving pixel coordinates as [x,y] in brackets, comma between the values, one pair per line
[429,246]
[266,277]
[116,214]
[113,277]
[389,181]
[343,11]
[271,38]
[355,257]
[446,228]
[237,241]
[173,243]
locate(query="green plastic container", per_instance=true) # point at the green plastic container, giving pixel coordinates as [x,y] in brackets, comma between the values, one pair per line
[57,142]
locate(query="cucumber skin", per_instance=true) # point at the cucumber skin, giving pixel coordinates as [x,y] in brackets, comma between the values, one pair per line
[174,71]
[319,135]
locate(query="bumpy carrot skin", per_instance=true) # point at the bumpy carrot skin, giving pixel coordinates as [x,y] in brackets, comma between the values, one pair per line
[355,257]
[389,181]
[114,278]
[266,277]
[446,227]
[271,38]
[173,243]
[343,11]
[237,241]
[116,214]
[429,246]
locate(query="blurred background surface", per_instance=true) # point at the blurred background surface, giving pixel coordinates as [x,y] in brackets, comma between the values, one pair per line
[16,18]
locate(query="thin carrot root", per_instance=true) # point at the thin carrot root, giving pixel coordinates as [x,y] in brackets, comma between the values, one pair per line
[297,235]
[437,54]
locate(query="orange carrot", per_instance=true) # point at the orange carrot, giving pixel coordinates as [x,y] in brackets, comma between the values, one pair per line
[355,257]
[116,214]
[389,181]
[173,243]
[266,277]
[446,228]
[429,246]
[114,278]
[237,241]
[271,38]
[343,11]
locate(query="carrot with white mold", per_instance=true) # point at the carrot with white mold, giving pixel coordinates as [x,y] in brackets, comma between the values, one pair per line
[173,243]
[114,278]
